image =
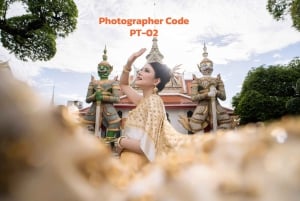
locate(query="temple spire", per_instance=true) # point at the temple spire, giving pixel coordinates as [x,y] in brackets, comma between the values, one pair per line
[205,61]
[204,54]
[53,92]
[154,55]
[104,57]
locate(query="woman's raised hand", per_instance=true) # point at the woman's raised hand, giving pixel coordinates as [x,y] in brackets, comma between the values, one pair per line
[135,55]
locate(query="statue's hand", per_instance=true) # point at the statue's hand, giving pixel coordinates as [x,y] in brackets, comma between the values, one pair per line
[98,95]
[211,94]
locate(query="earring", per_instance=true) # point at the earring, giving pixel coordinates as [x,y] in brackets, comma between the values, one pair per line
[155,90]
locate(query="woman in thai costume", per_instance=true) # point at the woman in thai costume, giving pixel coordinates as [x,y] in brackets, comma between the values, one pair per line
[147,133]
[137,145]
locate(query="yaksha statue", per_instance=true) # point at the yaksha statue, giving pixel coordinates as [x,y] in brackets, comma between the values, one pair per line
[102,94]
[205,92]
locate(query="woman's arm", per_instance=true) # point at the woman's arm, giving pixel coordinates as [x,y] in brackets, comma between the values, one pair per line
[124,79]
[129,144]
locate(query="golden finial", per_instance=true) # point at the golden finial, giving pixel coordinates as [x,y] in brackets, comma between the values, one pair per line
[104,55]
[104,62]
[204,54]
[205,61]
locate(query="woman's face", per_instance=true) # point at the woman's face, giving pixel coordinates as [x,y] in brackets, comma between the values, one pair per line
[145,77]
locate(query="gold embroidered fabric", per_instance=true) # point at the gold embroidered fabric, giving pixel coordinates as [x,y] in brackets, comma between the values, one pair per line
[145,122]
[148,123]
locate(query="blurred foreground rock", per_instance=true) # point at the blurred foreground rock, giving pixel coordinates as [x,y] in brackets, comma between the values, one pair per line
[45,155]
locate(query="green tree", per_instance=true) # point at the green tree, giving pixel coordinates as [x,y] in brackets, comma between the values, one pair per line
[265,92]
[32,36]
[293,105]
[279,9]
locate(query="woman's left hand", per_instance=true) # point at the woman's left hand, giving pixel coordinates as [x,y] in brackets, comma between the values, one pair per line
[119,150]
[118,147]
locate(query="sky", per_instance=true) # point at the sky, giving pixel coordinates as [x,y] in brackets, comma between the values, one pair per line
[239,36]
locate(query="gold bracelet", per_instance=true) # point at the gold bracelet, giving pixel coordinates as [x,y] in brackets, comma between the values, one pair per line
[119,141]
[126,70]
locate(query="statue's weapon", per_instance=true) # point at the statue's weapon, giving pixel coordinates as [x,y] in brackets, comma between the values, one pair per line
[213,109]
[98,112]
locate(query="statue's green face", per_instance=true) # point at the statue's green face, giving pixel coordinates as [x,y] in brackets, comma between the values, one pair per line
[103,71]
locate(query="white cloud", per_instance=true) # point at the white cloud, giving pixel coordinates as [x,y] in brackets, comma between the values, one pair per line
[233,30]
[22,70]
[244,27]
[15,9]
[281,62]
[276,55]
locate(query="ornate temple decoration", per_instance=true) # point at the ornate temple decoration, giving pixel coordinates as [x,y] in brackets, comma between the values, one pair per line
[104,62]
[155,55]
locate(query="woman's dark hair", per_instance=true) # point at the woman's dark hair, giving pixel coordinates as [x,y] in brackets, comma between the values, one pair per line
[162,72]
